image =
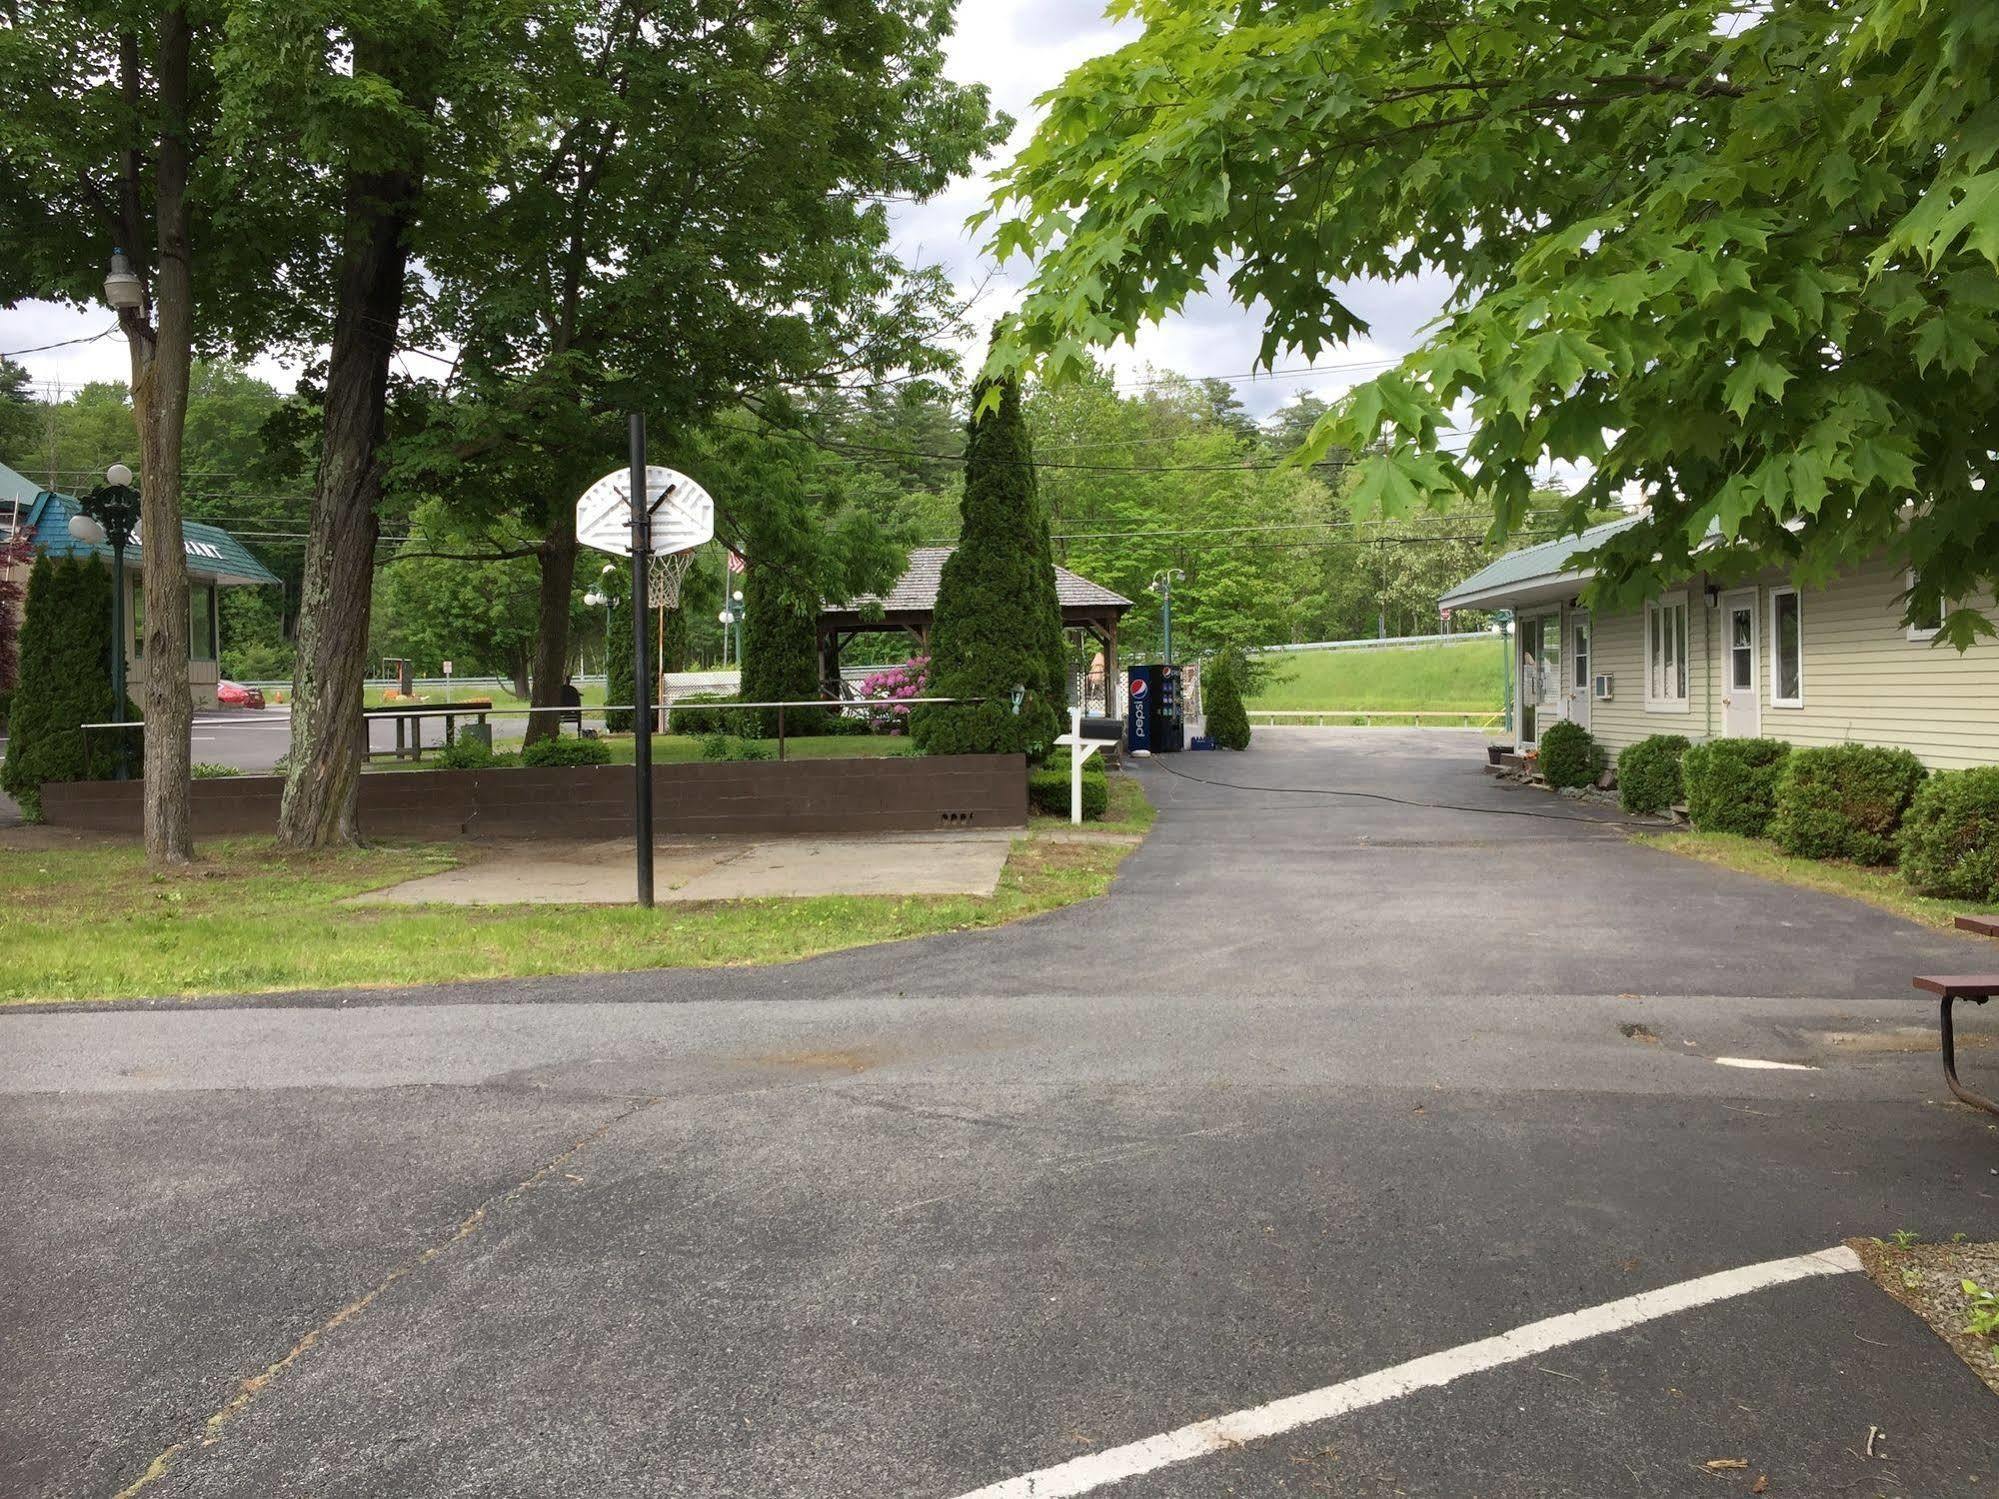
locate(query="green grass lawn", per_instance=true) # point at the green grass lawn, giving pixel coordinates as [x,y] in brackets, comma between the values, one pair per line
[1878,887]
[677,749]
[503,697]
[1430,678]
[91,922]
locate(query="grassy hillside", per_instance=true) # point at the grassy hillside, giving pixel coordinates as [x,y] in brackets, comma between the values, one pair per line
[1462,678]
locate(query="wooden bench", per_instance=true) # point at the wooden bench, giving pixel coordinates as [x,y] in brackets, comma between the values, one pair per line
[1982,926]
[409,725]
[1973,988]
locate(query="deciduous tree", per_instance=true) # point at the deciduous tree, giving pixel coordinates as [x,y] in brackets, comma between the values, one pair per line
[1741,261]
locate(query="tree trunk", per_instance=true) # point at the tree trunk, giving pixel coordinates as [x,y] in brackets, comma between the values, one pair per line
[162,349]
[329,736]
[557,558]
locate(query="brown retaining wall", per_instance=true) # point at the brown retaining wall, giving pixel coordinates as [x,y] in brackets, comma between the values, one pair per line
[895,794]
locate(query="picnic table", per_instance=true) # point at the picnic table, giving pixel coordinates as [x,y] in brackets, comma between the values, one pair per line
[409,724]
[1972,988]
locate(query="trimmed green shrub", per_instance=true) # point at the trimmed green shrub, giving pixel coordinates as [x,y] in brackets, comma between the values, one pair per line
[780,656]
[567,751]
[1648,774]
[838,724]
[730,747]
[1731,784]
[1048,791]
[1569,756]
[65,681]
[206,770]
[1950,835]
[1228,721]
[998,625]
[1844,802]
[466,753]
[703,719]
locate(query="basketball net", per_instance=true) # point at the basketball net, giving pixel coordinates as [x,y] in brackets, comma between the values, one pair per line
[663,579]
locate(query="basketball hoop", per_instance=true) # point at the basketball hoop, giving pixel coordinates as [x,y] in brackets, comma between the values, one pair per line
[664,576]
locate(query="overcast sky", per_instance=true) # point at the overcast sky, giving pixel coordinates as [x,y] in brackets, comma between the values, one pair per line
[1019,49]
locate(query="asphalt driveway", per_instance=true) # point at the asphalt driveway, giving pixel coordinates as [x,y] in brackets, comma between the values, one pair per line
[1327,1084]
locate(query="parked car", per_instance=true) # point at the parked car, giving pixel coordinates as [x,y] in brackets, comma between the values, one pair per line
[236,695]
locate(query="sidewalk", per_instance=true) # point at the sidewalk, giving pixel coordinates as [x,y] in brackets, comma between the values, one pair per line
[543,871]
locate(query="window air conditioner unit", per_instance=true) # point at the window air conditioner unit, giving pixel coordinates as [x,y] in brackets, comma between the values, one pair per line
[1602,687]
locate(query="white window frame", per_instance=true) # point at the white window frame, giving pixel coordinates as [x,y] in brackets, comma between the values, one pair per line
[1656,609]
[1913,631]
[1776,649]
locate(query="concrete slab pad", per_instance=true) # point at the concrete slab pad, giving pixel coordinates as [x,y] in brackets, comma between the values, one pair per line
[600,873]
[916,865]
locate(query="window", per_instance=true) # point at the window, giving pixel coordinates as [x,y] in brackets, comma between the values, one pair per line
[1579,656]
[1929,616]
[200,621]
[1787,649]
[1742,646]
[1666,654]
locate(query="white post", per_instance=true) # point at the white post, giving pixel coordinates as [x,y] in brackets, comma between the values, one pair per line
[1076,767]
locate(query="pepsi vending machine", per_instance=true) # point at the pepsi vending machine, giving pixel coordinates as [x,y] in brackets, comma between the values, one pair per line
[1153,715]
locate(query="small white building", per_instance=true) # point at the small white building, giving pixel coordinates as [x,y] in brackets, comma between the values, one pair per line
[215,560]
[1709,658]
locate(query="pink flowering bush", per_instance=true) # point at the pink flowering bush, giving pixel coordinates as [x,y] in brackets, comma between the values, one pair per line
[891,687]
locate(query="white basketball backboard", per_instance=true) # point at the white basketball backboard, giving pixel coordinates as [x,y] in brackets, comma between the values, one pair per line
[683,513]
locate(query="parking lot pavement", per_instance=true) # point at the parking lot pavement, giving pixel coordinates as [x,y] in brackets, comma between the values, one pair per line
[1326,1085]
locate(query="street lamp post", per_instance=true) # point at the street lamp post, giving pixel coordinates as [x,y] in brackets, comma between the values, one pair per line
[110,513]
[731,617]
[1162,584]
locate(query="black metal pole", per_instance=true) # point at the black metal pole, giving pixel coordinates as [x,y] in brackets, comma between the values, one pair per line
[641,668]
[121,768]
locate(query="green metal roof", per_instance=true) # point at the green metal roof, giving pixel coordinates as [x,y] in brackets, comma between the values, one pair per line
[1532,567]
[211,551]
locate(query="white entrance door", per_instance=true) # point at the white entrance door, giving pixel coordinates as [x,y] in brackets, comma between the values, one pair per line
[1741,706]
[1540,675]
[1578,696]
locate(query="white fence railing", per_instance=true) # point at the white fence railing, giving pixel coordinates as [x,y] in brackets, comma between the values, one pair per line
[1367,718]
[1388,642]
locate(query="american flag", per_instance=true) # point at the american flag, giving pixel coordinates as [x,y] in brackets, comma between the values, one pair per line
[736,563]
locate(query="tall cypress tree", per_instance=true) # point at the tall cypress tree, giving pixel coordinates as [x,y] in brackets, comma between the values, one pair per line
[998,625]
[780,653]
[619,684]
[65,680]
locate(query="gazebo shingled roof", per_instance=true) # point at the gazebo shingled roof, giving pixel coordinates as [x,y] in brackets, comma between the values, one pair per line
[912,602]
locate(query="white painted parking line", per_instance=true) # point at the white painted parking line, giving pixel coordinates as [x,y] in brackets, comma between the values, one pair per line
[1759,1065]
[1099,1469]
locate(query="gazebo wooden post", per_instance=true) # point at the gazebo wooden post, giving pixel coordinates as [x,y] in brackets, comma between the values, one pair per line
[1110,665]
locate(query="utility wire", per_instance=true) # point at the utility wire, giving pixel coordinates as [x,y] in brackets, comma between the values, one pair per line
[89,338]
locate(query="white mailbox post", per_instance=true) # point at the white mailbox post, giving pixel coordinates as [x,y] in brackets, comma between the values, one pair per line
[1080,749]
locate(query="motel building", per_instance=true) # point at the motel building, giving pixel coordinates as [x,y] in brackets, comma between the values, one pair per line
[215,560]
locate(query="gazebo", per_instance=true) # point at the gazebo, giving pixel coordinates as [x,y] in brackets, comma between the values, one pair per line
[1089,610]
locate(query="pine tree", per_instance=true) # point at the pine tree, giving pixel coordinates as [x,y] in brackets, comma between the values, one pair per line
[1228,723]
[780,654]
[65,680]
[998,625]
[619,685]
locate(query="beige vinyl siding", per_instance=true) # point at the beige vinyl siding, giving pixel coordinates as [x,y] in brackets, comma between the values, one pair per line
[1620,651]
[1865,681]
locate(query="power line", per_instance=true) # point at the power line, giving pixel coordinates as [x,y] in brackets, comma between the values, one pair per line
[90,338]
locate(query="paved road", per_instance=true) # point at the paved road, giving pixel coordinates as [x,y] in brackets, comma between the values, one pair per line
[1325,1085]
